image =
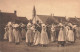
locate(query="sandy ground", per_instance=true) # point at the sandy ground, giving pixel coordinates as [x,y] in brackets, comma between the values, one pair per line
[5,46]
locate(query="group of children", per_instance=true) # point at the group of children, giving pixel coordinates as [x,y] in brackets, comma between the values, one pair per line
[40,34]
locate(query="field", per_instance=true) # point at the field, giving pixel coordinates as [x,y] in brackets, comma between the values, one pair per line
[5,46]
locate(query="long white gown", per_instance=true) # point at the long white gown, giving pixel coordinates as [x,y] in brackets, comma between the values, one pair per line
[61,36]
[16,33]
[29,37]
[70,35]
[66,30]
[6,33]
[53,34]
[10,34]
[44,36]
[23,32]
[37,38]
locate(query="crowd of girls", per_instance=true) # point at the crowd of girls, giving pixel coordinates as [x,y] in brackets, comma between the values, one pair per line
[41,34]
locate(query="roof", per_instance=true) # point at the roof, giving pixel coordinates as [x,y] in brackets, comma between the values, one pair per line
[74,20]
[44,17]
[5,14]
[7,17]
[22,19]
[56,19]
[60,18]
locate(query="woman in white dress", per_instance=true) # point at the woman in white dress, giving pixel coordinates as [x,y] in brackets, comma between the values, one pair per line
[6,33]
[70,35]
[61,36]
[37,35]
[23,31]
[16,33]
[66,31]
[10,32]
[44,36]
[29,39]
[53,33]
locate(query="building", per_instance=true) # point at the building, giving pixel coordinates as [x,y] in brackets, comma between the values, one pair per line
[47,19]
[22,20]
[5,17]
[74,20]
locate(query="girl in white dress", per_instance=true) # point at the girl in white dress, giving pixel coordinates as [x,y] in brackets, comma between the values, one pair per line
[70,35]
[61,36]
[16,33]
[6,33]
[44,36]
[53,33]
[29,33]
[23,31]
[10,32]
[37,37]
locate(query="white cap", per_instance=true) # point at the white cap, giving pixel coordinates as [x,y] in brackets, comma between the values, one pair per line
[74,26]
[29,24]
[69,24]
[22,25]
[43,25]
[15,25]
[9,23]
[60,24]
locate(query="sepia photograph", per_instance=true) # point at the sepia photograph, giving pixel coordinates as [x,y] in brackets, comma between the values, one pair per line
[39,25]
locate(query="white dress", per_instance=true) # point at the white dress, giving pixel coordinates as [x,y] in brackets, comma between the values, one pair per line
[61,36]
[16,33]
[44,36]
[6,34]
[53,34]
[29,37]
[10,34]
[23,33]
[66,29]
[37,38]
[71,35]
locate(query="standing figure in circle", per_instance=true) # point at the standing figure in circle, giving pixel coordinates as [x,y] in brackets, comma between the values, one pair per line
[6,33]
[29,35]
[70,35]
[44,36]
[10,32]
[16,33]
[37,35]
[23,31]
[61,36]
[53,33]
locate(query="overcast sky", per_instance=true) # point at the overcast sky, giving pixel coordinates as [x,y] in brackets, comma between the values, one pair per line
[69,8]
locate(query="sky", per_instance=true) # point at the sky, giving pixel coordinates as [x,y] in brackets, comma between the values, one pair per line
[68,8]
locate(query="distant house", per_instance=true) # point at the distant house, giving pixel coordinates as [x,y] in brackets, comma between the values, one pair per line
[6,17]
[42,18]
[60,19]
[47,18]
[75,21]
[22,20]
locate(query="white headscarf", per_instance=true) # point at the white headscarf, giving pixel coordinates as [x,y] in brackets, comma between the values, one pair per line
[60,24]
[9,23]
[29,24]
[15,25]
